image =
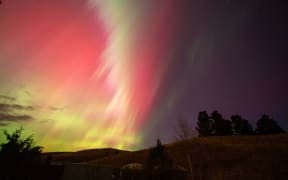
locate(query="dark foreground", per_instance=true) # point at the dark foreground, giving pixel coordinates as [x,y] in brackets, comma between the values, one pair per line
[213,158]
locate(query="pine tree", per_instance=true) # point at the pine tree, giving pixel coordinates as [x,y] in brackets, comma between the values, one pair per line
[204,124]
[158,158]
[221,127]
[157,151]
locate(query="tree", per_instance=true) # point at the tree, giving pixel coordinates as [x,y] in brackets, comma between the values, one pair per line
[204,124]
[17,150]
[156,151]
[184,133]
[267,125]
[157,158]
[222,127]
[183,130]
[241,126]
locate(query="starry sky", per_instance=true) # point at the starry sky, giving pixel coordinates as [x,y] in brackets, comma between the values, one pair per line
[84,74]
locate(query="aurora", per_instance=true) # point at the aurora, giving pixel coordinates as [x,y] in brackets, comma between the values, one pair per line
[80,74]
[79,67]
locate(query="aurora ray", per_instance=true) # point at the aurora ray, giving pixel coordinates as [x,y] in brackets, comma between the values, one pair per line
[82,69]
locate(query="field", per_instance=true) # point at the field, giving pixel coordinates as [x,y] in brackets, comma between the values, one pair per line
[233,157]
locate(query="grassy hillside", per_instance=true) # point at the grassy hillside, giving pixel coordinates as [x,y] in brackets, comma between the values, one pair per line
[244,157]
[82,156]
[232,149]
[231,157]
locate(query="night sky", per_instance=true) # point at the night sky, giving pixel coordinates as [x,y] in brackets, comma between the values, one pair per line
[119,73]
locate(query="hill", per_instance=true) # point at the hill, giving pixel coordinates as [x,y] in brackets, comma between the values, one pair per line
[212,150]
[81,156]
[230,157]
[227,157]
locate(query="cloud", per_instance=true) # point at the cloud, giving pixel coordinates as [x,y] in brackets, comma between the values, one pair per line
[7,98]
[5,119]
[46,121]
[11,107]
[52,108]
[12,112]
[9,118]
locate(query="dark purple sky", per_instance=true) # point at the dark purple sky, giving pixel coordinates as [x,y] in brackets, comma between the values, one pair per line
[239,65]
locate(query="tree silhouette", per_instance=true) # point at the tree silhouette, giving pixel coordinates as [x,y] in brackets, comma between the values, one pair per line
[156,151]
[157,158]
[204,124]
[17,150]
[267,125]
[183,130]
[241,126]
[221,126]
[184,133]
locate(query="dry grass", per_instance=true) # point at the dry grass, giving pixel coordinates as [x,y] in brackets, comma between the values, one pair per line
[234,157]
[244,157]
[214,150]
[83,156]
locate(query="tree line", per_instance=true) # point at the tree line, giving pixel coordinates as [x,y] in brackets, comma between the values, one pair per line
[216,125]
